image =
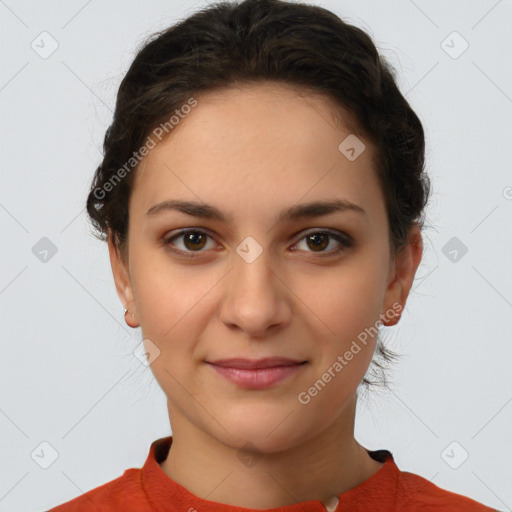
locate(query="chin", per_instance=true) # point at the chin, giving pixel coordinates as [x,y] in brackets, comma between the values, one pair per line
[268,432]
[258,440]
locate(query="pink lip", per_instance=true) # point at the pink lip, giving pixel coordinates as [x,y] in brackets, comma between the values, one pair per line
[252,375]
[266,362]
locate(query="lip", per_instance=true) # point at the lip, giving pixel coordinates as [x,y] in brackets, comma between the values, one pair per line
[266,362]
[257,374]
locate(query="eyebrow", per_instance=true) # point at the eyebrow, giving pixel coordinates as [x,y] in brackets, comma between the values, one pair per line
[299,211]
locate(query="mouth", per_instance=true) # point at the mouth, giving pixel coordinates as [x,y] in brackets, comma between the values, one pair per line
[259,374]
[266,362]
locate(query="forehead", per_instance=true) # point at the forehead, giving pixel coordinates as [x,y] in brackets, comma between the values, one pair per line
[267,113]
[253,140]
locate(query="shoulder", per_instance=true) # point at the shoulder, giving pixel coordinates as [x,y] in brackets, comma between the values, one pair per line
[415,493]
[125,490]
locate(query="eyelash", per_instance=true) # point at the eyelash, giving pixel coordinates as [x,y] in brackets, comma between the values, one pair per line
[345,241]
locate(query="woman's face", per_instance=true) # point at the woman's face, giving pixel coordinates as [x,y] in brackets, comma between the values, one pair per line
[255,285]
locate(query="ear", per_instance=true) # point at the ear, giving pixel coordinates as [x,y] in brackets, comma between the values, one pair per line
[402,271]
[121,276]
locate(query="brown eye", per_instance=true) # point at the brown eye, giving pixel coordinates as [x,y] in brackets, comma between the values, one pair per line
[318,241]
[192,240]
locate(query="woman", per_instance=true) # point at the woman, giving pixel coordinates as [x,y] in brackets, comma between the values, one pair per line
[262,194]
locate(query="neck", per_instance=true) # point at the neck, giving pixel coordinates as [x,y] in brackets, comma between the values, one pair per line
[320,468]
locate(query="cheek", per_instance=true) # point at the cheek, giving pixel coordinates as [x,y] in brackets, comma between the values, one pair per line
[349,300]
[171,300]
[174,309]
[349,308]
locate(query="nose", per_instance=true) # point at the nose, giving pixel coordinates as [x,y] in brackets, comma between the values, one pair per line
[256,298]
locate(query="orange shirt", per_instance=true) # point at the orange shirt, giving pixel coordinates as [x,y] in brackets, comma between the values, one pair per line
[149,489]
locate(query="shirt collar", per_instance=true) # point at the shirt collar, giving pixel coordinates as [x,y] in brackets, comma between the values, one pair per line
[162,490]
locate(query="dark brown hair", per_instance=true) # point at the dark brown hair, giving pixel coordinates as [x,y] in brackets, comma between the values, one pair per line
[230,43]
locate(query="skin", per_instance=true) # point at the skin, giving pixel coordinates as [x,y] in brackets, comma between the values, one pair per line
[252,151]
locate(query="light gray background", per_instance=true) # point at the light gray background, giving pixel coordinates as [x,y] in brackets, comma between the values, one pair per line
[68,376]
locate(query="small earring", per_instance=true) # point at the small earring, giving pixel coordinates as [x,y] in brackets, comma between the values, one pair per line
[126,311]
[394,320]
